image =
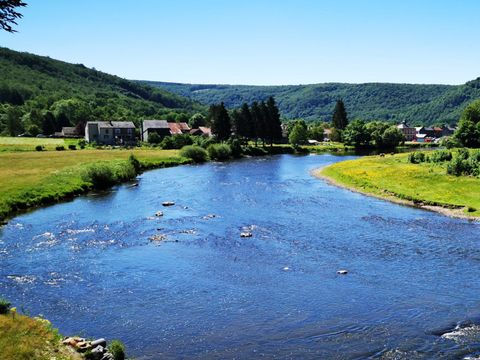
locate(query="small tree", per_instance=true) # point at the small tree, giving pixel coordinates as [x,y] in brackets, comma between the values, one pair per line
[356,134]
[339,118]
[298,135]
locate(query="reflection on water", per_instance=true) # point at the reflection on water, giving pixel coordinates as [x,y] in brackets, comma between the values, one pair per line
[187,285]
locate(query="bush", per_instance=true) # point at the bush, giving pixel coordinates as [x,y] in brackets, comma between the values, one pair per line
[236,148]
[39,148]
[82,143]
[154,138]
[441,156]
[450,142]
[72,147]
[219,152]
[117,349]
[416,157]
[463,154]
[135,163]
[4,306]
[60,148]
[100,175]
[203,141]
[194,152]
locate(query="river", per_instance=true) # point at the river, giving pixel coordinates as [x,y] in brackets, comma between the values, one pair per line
[412,290]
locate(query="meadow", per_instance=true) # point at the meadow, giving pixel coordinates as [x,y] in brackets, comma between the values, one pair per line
[393,177]
[32,178]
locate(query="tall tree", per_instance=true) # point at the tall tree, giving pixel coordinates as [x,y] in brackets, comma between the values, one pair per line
[9,14]
[274,125]
[258,121]
[339,119]
[220,120]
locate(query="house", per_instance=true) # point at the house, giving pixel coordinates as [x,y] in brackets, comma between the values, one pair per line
[448,130]
[68,132]
[110,132]
[160,127]
[421,137]
[201,131]
[178,128]
[407,131]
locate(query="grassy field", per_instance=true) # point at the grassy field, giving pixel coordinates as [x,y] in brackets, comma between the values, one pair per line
[24,338]
[9,144]
[392,177]
[33,178]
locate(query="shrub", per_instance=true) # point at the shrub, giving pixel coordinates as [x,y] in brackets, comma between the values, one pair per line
[219,152]
[441,156]
[203,141]
[463,154]
[416,157]
[60,148]
[117,349]
[100,175]
[39,148]
[235,147]
[154,138]
[450,142]
[194,152]
[72,147]
[82,143]
[4,306]
[135,163]
[458,166]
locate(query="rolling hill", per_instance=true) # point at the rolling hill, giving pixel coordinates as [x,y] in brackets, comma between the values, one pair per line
[32,85]
[417,104]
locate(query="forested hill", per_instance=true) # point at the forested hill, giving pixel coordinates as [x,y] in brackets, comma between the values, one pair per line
[417,104]
[32,87]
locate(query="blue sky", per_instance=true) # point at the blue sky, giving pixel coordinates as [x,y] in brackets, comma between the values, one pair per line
[259,41]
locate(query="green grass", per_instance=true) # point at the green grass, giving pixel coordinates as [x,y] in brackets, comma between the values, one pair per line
[29,179]
[24,338]
[394,177]
[9,144]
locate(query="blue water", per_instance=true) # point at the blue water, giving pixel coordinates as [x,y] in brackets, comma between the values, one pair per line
[412,290]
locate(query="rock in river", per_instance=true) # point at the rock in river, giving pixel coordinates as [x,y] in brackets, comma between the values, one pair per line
[168,203]
[342,272]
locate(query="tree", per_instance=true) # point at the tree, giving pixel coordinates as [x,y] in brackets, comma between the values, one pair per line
[273,123]
[258,121]
[339,118]
[220,120]
[392,137]
[196,121]
[299,134]
[9,14]
[356,134]
[468,132]
[48,123]
[13,125]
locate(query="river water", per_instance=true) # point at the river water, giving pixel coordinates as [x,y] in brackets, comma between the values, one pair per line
[89,265]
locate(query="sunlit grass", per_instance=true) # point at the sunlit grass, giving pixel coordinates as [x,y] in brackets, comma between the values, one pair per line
[24,338]
[393,176]
[28,144]
[32,178]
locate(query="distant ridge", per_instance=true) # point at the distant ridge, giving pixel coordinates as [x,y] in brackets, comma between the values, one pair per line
[416,104]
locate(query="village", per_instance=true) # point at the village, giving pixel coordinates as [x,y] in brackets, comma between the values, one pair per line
[126,133]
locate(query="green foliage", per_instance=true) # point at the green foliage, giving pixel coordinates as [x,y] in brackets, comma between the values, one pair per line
[39,93]
[219,152]
[194,152]
[103,175]
[135,163]
[154,138]
[299,134]
[450,142]
[60,148]
[4,306]
[72,147]
[39,148]
[439,156]
[117,349]
[236,147]
[416,157]
[356,134]
[176,141]
[197,120]
[417,104]
[339,117]
[220,120]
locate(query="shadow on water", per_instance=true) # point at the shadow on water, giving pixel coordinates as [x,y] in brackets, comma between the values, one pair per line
[186,284]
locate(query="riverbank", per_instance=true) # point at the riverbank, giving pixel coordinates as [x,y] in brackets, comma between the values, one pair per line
[392,178]
[31,179]
[24,337]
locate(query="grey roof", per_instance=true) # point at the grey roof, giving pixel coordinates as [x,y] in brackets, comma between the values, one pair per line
[114,124]
[155,124]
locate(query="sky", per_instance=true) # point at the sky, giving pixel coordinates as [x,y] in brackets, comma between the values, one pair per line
[259,42]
